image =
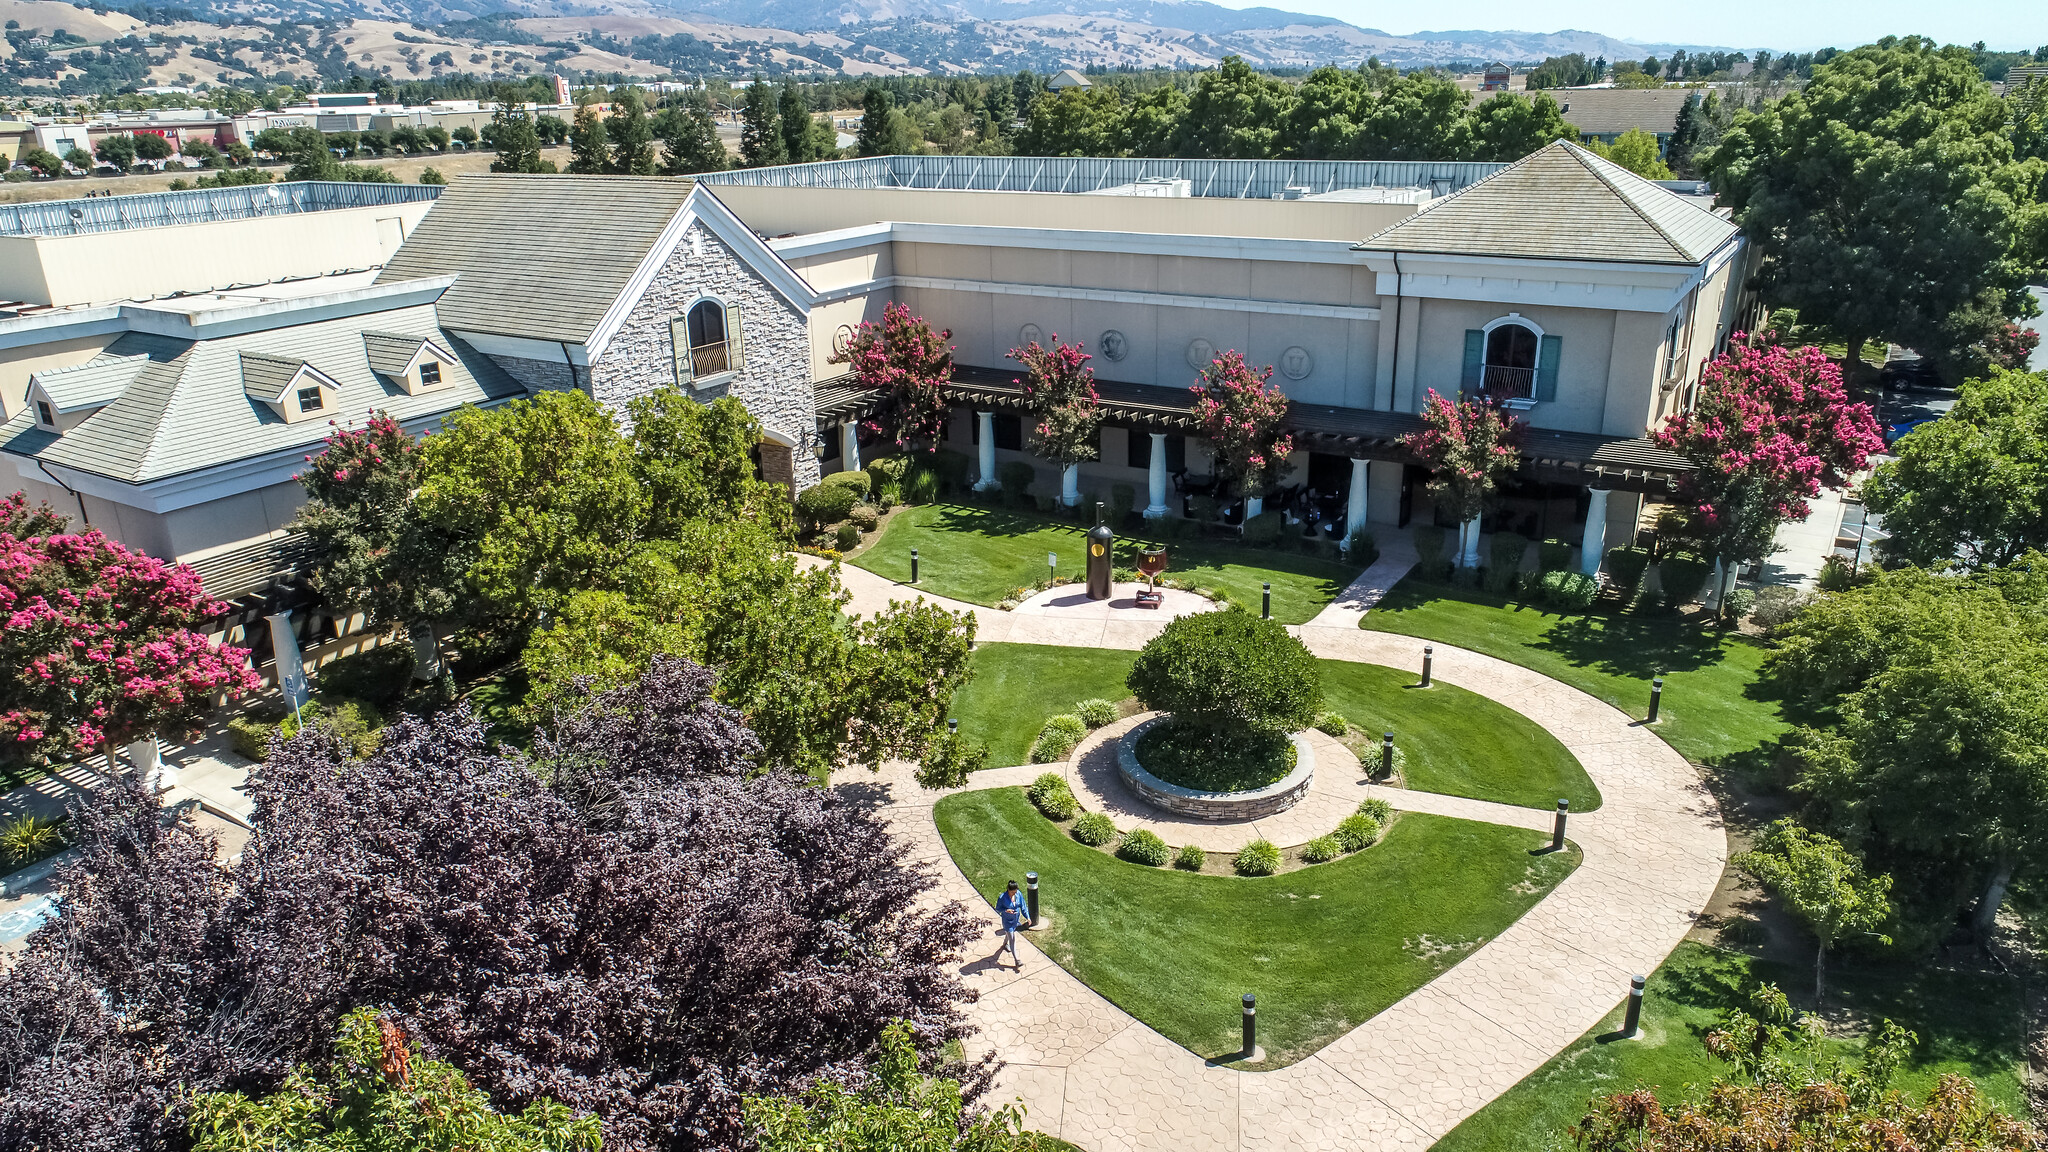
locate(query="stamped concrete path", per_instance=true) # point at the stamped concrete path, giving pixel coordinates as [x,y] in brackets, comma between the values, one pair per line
[1093,1075]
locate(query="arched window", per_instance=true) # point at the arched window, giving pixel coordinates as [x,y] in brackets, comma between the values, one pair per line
[1510,363]
[707,341]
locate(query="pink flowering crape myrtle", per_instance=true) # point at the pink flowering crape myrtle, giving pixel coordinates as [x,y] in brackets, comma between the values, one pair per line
[1059,389]
[904,359]
[100,645]
[1469,447]
[1241,415]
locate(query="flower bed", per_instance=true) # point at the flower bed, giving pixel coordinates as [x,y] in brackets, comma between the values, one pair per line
[1206,804]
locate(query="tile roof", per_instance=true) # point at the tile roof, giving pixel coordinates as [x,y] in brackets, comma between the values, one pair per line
[1561,202]
[391,353]
[90,385]
[188,409]
[266,377]
[541,257]
[1612,111]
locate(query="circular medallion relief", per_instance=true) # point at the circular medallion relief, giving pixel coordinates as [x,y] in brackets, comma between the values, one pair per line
[1296,363]
[1114,344]
[842,339]
[1030,334]
[1200,353]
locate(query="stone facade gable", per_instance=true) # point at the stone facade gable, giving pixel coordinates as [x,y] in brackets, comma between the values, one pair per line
[774,381]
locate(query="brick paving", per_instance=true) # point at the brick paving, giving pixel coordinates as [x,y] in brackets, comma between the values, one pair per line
[1089,1073]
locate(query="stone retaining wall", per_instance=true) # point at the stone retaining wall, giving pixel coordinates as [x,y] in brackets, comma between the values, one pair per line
[1278,796]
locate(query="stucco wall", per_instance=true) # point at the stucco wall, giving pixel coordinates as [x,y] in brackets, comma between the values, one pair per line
[774,381]
[1605,378]
[18,364]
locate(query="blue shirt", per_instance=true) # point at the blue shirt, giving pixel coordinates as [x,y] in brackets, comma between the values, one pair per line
[1011,905]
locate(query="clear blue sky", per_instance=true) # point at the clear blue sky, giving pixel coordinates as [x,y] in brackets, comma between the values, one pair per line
[1785,24]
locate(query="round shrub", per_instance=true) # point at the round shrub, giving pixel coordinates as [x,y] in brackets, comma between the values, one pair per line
[1332,725]
[1356,831]
[1143,846]
[847,536]
[1258,858]
[1057,739]
[887,470]
[1229,672]
[865,516]
[826,503]
[1016,478]
[1094,829]
[1570,591]
[1096,713]
[858,483]
[1378,809]
[1052,796]
[1779,605]
[1321,850]
[1681,578]
[1625,567]
[1190,858]
[1553,555]
[1265,528]
[1739,604]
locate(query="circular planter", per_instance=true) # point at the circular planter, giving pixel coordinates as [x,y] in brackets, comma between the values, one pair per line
[1221,807]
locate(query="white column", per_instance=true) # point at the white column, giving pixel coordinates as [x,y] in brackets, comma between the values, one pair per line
[849,446]
[1070,485]
[986,422]
[147,757]
[1354,509]
[1253,505]
[291,668]
[1472,543]
[1156,476]
[1594,546]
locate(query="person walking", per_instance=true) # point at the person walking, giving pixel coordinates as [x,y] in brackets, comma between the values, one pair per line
[1010,905]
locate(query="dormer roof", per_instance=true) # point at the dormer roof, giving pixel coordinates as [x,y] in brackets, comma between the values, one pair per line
[393,353]
[88,386]
[268,378]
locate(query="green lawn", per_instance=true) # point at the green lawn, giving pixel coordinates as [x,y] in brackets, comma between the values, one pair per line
[1459,742]
[979,554]
[1966,1023]
[1324,947]
[1016,688]
[1708,713]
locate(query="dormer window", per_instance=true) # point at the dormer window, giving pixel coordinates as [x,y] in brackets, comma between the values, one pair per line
[706,342]
[309,399]
[413,363]
[45,415]
[430,373]
[288,386]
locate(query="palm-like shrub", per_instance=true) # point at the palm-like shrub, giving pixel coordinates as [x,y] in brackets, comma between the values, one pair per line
[1258,858]
[1096,713]
[1190,858]
[1057,738]
[1321,849]
[1356,831]
[1332,725]
[1378,809]
[1051,795]
[1094,829]
[1143,846]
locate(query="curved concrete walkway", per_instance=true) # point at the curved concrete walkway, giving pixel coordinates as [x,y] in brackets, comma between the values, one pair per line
[1091,1074]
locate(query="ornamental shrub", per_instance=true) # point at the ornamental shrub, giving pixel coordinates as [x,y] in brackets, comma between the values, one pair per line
[1230,672]
[1143,846]
[1681,577]
[887,470]
[1122,498]
[1096,713]
[823,504]
[847,536]
[1321,850]
[1332,725]
[1625,567]
[1739,603]
[1364,549]
[1430,563]
[858,483]
[1505,558]
[1779,605]
[1094,829]
[952,468]
[1190,858]
[355,722]
[921,486]
[1265,528]
[1570,591]
[1052,796]
[1356,832]
[1381,811]
[865,516]
[376,676]
[250,737]
[1553,555]
[888,495]
[1057,738]
[1016,478]
[1258,858]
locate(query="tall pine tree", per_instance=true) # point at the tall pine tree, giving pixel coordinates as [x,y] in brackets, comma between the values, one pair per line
[760,128]
[799,143]
[590,153]
[632,137]
[873,139]
[690,138]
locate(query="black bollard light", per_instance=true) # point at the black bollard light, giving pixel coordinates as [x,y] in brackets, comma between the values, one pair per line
[913,565]
[952,727]
[1387,756]
[1633,1024]
[1428,658]
[1557,833]
[1266,603]
[1656,698]
[1031,896]
[1251,1024]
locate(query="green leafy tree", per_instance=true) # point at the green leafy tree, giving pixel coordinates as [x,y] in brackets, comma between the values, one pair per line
[1821,883]
[875,135]
[1234,112]
[1323,121]
[79,158]
[1509,126]
[1686,134]
[632,135]
[1972,487]
[518,145]
[465,136]
[382,1092]
[1149,122]
[551,130]
[1885,197]
[1416,117]
[590,152]
[151,146]
[432,176]
[118,150]
[692,463]
[44,161]
[898,1109]
[1637,151]
[1229,673]
[1076,122]
[689,139]
[761,143]
[793,116]
[205,153]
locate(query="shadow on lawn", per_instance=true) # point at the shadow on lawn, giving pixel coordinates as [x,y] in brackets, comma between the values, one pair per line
[1182,552]
[996,521]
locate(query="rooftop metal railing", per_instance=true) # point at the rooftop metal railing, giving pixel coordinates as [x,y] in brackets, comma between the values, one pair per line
[1234,179]
[200,206]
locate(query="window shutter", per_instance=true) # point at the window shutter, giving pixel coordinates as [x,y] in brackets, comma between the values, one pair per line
[679,347]
[1547,357]
[735,350]
[1475,357]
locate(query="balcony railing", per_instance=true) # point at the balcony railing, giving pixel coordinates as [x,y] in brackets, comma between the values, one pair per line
[1504,383]
[708,359]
